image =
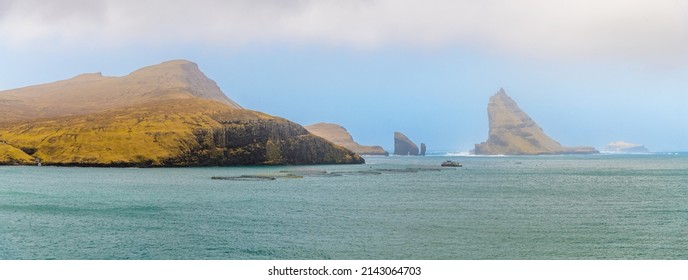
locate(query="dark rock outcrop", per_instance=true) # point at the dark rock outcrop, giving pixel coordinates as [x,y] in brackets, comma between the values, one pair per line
[403,146]
[422,149]
[513,132]
[263,142]
[340,136]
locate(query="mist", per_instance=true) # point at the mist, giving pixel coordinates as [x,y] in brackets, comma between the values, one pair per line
[588,73]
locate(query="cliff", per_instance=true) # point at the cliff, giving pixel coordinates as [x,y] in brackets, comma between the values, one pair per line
[340,136]
[163,115]
[513,132]
[404,146]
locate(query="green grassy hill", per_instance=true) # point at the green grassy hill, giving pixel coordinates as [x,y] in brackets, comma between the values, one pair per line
[177,123]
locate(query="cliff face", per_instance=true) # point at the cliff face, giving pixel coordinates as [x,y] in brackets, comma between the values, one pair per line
[340,136]
[404,146]
[271,141]
[513,132]
[180,120]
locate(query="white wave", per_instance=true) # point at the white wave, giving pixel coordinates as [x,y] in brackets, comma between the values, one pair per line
[468,154]
[457,154]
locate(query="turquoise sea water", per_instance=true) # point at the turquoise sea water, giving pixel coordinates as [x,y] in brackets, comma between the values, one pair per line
[538,207]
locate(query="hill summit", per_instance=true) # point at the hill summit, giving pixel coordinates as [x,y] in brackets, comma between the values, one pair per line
[92,93]
[168,114]
[513,132]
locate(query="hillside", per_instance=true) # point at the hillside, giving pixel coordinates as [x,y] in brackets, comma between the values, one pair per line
[169,114]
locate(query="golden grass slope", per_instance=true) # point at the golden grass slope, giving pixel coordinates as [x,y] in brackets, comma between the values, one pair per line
[166,133]
[10,155]
[144,134]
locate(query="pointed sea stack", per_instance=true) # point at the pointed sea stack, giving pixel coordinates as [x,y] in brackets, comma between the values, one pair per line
[404,146]
[513,132]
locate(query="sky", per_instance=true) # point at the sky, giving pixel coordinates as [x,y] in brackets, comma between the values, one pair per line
[588,72]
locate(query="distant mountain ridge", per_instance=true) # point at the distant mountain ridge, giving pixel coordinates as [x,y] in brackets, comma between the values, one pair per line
[513,132]
[168,114]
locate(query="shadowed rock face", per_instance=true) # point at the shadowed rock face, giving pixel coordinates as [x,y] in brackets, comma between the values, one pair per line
[164,115]
[271,141]
[513,132]
[422,149]
[340,136]
[403,146]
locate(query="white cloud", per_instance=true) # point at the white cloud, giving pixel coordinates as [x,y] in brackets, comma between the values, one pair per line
[647,30]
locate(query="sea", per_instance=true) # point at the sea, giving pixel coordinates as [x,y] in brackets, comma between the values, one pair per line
[504,207]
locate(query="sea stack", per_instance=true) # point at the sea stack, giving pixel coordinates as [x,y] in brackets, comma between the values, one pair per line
[168,114]
[422,149]
[513,132]
[339,135]
[403,146]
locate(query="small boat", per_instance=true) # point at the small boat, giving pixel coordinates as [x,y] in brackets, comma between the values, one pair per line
[449,163]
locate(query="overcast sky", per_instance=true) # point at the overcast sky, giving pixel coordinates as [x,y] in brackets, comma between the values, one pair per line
[589,72]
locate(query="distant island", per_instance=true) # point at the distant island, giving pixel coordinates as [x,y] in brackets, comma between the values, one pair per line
[169,114]
[339,135]
[622,147]
[513,132]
